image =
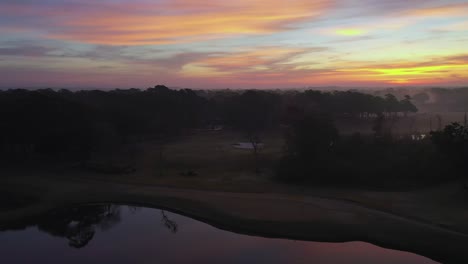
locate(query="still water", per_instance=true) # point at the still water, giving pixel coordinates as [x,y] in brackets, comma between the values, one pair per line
[123,234]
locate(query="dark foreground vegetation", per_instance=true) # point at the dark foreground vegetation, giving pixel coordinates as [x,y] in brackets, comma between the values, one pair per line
[72,126]
[317,153]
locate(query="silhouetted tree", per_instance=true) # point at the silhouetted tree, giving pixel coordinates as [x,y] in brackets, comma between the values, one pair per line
[407,106]
[378,126]
[168,223]
[252,112]
[452,142]
[67,124]
[391,104]
[310,145]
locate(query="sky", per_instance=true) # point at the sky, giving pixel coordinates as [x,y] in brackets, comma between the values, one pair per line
[233,44]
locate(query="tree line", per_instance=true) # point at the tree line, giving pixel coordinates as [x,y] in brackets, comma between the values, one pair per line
[73,124]
[316,153]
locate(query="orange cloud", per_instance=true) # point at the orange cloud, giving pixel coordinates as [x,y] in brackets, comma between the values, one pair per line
[186,21]
[260,67]
[263,60]
[432,71]
[442,11]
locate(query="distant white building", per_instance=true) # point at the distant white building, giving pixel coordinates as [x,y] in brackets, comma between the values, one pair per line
[216,128]
[418,137]
[247,145]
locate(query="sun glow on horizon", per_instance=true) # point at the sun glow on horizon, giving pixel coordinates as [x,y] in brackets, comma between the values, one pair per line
[350,32]
[247,43]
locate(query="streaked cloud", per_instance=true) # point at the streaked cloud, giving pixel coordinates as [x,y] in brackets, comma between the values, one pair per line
[457,26]
[30,51]
[444,10]
[265,59]
[165,22]
[245,43]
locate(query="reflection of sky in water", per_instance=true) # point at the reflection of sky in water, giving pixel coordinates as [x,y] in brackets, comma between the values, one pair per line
[142,238]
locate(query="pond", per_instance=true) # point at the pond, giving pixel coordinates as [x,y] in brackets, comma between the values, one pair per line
[126,234]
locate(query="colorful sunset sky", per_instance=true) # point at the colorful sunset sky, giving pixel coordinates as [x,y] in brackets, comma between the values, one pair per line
[233,44]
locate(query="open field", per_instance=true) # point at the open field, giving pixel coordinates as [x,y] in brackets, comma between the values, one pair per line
[208,154]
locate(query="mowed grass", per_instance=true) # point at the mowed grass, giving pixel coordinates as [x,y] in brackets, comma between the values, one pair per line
[220,166]
[211,156]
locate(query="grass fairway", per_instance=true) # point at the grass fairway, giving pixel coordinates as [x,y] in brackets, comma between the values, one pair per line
[228,193]
[211,156]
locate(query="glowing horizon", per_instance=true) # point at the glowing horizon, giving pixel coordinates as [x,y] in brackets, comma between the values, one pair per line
[233,44]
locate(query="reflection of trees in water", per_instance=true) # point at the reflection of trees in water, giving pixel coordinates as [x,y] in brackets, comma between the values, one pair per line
[78,224]
[170,224]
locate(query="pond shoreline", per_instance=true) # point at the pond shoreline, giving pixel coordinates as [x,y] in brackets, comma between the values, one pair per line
[292,216]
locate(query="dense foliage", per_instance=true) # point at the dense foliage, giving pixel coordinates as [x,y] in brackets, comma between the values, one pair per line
[73,124]
[433,99]
[354,103]
[317,154]
[452,143]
